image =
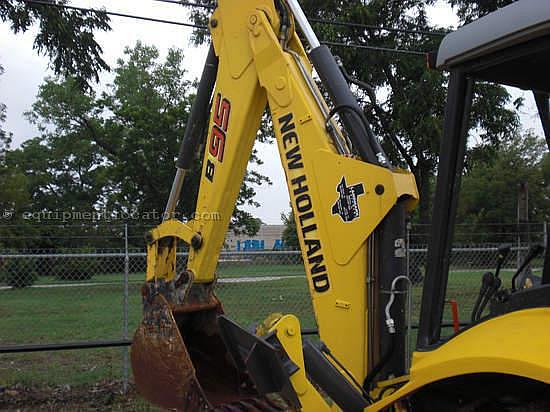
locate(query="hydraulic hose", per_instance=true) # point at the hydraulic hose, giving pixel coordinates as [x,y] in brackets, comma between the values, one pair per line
[378,367]
[391,330]
[194,130]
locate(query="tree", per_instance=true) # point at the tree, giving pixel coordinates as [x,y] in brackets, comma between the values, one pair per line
[489,192]
[290,233]
[116,151]
[66,36]
[406,101]
[12,182]
[469,10]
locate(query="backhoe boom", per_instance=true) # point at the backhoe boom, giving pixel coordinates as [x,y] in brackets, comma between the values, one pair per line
[341,188]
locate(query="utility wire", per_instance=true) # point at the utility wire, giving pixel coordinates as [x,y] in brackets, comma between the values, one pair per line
[371,27]
[329,22]
[112,13]
[376,48]
[196,26]
[188,4]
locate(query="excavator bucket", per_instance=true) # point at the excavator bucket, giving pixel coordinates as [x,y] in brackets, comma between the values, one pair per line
[163,370]
[181,362]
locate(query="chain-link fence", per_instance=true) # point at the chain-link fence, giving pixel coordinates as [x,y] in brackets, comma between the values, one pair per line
[91,294]
[475,251]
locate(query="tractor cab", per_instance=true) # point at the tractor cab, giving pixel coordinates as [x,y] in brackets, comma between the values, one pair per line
[510,47]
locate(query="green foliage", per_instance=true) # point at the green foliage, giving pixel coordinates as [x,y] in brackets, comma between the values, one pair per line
[113,154]
[5,138]
[407,103]
[13,194]
[18,273]
[76,269]
[469,10]
[65,36]
[489,191]
[245,223]
[290,234]
[546,169]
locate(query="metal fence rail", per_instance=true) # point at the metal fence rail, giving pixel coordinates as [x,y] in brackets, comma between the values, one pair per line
[85,295]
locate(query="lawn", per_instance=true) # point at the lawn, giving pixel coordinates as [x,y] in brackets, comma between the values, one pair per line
[95,312]
[225,271]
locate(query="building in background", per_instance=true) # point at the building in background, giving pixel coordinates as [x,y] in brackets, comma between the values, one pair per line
[269,237]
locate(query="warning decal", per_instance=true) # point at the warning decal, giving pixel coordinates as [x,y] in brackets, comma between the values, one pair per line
[347,206]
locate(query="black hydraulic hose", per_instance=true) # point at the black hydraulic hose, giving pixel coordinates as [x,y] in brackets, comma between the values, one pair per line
[361,134]
[197,122]
[353,80]
[392,332]
[346,107]
[381,363]
[324,348]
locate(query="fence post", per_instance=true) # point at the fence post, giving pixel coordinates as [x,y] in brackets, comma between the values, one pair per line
[125,366]
[409,297]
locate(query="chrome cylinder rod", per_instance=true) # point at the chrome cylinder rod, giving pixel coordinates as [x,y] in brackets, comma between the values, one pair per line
[303,23]
[174,195]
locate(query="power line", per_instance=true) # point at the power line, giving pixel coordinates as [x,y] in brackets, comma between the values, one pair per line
[328,22]
[376,48]
[188,4]
[112,13]
[371,27]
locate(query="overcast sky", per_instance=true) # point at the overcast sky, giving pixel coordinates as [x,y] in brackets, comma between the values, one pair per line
[25,71]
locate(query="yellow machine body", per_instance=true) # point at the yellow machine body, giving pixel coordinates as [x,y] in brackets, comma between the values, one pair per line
[258,70]
[496,346]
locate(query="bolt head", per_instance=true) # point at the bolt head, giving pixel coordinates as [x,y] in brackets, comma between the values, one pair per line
[280,83]
[214,23]
[253,19]
[196,242]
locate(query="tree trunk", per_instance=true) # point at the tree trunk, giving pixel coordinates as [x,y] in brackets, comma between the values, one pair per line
[422,175]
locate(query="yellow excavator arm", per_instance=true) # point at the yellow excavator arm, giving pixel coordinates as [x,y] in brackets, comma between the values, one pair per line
[341,186]
[350,205]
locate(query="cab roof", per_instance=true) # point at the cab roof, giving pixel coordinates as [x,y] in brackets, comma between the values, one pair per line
[516,23]
[510,46]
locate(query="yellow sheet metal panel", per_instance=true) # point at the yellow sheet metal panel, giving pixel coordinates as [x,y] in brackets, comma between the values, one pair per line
[300,132]
[354,198]
[514,344]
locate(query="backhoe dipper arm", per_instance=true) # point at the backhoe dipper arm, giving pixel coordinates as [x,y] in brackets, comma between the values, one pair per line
[338,200]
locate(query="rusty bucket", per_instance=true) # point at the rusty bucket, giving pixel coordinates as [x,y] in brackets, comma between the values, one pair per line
[180,361]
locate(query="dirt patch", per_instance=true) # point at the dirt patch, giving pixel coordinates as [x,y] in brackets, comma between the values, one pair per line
[107,396]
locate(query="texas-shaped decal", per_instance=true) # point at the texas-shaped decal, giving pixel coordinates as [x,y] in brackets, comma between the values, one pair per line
[347,206]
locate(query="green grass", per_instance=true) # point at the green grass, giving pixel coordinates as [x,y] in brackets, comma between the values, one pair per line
[95,312]
[225,270]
